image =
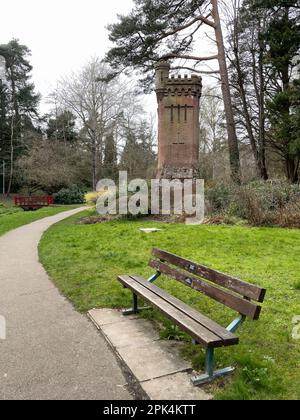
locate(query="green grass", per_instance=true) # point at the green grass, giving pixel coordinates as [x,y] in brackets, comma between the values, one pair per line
[12,217]
[297,285]
[84,261]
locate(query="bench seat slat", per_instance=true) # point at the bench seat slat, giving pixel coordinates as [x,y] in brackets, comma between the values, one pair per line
[234,302]
[236,285]
[212,326]
[194,329]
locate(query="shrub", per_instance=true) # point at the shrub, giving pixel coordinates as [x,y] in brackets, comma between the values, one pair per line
[72,195]
[271,202]
[260,203]
[26,191]
[289,215]
[219,198]
[254,207]
[92,197]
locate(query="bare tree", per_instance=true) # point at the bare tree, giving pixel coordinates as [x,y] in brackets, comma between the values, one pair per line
[99,103]
[212,135]
[248,78]
[231,130]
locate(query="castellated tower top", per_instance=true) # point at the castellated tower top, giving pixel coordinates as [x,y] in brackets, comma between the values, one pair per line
[175,86]
[162,73]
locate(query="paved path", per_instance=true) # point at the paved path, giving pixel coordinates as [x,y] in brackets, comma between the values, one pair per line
[51,351]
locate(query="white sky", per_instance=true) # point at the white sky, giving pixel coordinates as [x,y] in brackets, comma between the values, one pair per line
[63,35]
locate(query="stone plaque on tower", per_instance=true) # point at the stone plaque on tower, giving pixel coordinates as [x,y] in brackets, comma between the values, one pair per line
[178,123]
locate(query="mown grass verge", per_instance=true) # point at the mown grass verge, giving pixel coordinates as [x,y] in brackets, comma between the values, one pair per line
[84,261]
[12,217]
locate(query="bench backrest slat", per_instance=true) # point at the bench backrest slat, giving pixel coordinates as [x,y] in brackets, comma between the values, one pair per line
[245,289]
[232,301]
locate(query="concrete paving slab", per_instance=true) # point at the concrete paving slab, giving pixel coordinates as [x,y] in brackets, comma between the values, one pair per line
[132,333]
[153,360]
[157,364]
[174,387]
[108,316]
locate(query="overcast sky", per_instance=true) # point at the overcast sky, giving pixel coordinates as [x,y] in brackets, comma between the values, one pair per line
[61,34]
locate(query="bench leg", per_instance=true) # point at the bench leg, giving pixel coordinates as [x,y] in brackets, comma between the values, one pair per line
[209,362]
[210,374]
[134,303]
[134,310]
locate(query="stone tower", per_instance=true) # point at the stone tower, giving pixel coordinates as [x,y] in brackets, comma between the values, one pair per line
[178,123]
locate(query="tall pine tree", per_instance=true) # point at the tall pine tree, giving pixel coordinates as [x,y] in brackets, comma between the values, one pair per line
[19,100]
[283,40]
[110,162]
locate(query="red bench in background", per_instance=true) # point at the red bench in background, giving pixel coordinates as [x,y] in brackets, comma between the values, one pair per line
[33,202]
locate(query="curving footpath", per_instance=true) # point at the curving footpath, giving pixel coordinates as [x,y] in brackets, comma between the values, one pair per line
[50,351]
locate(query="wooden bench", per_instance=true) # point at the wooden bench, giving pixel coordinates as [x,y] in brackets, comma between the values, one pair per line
[33,202]
[231,292]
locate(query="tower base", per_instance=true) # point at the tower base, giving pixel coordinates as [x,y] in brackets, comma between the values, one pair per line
[178,173]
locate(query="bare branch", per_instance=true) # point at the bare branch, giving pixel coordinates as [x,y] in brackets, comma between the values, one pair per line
[202,19]
[196,71]
[190,57]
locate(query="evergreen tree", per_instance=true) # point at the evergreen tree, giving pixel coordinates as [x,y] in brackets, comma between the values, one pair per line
[62,127]
[110,164]
[19,100]
[145,150]
[283,40]
[138,156]
[295,118]
[129,161]
[4,126]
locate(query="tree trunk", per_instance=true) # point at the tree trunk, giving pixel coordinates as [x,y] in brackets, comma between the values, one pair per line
[257,145]
[292,164]
[15,128]
[94,165]
[234,154]
[11,172]
[246,113]
[262,116]
[292,168]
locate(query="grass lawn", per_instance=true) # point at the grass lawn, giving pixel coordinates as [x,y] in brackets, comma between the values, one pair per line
[84,261]
[12,217]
